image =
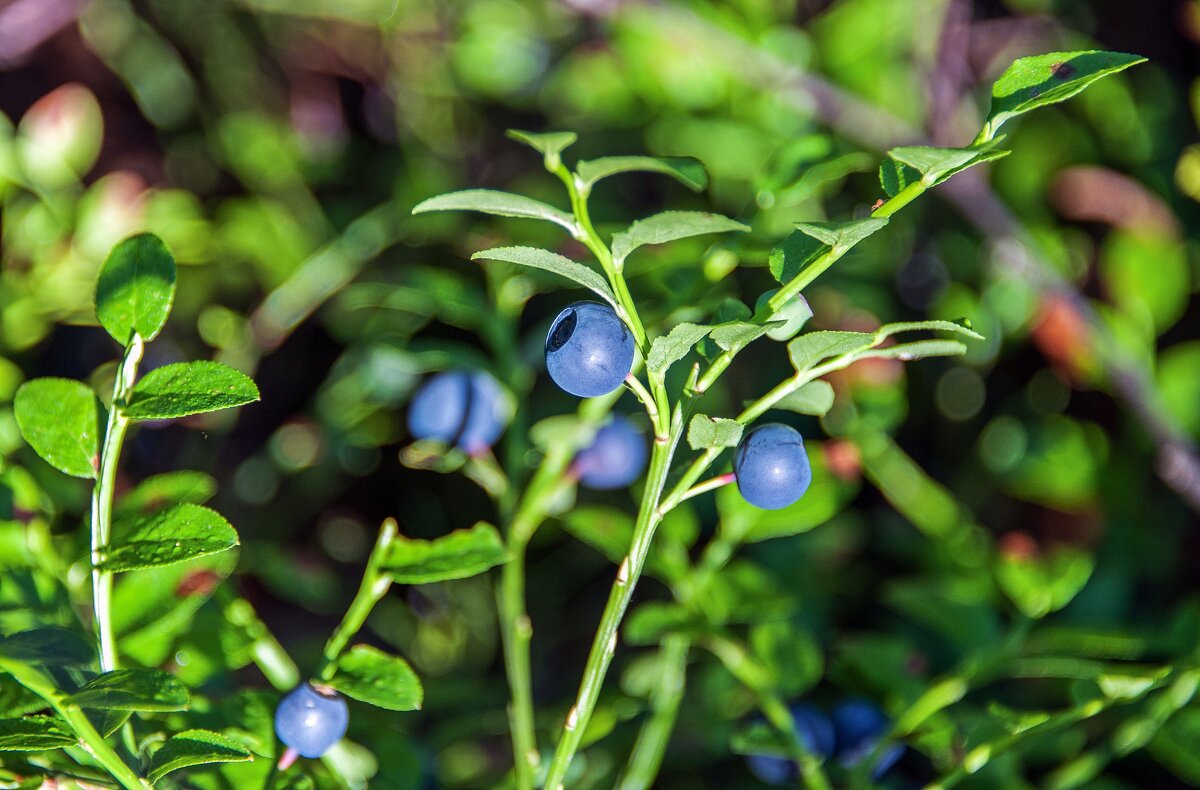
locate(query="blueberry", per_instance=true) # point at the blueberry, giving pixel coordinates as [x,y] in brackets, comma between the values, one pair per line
[771,466]
[589,350]
[816,733]
[615,458]
[460,407]
[859,725]
[310,721]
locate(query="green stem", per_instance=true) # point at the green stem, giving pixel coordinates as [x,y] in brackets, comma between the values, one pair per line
[266,652]
[605,642]
[102,502]
[374,586]
[93,741]
[651,745]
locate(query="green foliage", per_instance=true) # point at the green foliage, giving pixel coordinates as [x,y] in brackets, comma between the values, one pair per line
[134,690]
[931,166]
[551,262]
[503,204]
[185,388]
[135,288]
[195,747]
[463,553]
[376,678]
[705,431]
[60,419]
[670,226]
[665,351]
[685,170]
[179,533]
[47,646]
[34,734]
[813,240]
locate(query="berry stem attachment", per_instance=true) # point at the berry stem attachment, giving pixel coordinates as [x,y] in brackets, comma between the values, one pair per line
[374,586]
[644,396]
[708,485]
[102,501]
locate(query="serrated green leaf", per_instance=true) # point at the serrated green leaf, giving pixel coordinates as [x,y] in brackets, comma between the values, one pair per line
[551,262]
[179,533]
[35,734]
[185,388]
[931,166]
[888,330]
[665,351]
[809,349]
[503,204]
[670,226]
[132,689]
[377,678]
[736,335]
[812,240]
[60,419]
[815,398]
[50,645]
[195,747]
[135,288]
[463,553]
[160,491]
[549,144]
[685,170]
[918,349]
[1040,80]
[705,432]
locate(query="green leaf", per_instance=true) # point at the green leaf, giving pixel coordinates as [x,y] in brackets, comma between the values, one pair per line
[670,226]
[1040,80]
[462,553]
[790,654]
[809,349]
[736,335]
[1041,584]
[107,722]
[685,170]
[548,144]
[652,621]
[135,288]
[179,533]
[931,166]
[160,491]
[815,398]
[665,351]
[759,738]
[184,388]
[132,689]
[35,734]
[887,330]
[919,349]
[608,530]
[787,321]
[503,204]
[195,747]
[61,421]
[812,240]
[377,678]
[50,645]
[551,262]
[705,432]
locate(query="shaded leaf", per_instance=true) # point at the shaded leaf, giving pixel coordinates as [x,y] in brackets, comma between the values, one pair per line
[132,689]
[650,622]
[549,144]
[809,349]
[61,421]
[107,722]
[50,645]
[705,432]
[171,488]
[789,653]
[184,388]
[195,747]
[670,226]
[815,398]
[931,166]
[463,553]
[377,678]
[551,262]
[665,351]
[178,533]
[503,204]
[135,288]
[685,170]
[35,734]
[1042,584]
[812,240]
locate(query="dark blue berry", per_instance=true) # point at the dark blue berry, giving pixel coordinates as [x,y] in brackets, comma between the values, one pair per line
[589,350]
[858,726]
[816,733]
[615,458]
[310,721]
[771,466]
[460,407]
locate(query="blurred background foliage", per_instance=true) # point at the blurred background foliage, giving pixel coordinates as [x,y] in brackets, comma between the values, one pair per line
[1031,503]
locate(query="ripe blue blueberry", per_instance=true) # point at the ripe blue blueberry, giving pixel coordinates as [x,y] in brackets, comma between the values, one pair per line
[771,466]
[464,408]
[858,726]
[310,720]
[816,733]
[589,350]
[615,458]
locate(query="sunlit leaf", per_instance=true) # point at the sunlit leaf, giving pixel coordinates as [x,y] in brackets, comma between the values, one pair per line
[815,398]
[135,288]
[376,678]
[812,240]
[931,166]
[809,349]
[665,351]
[195,747]
[685,170]
[705,432]
[170,488]
[1043,583]
[670,226]
[551,262]
[549,144]
[60,419]
[503,204]
[185,388]
[132,689]
[35,734]
[178,533]
[463,553]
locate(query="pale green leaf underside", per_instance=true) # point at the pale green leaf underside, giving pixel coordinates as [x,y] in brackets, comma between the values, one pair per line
[551,262]
[548,144]
[377,678]
[815,398]
[133,689]
[670,226]
[185,388]
[179,533]
[135,288]
[736,335]
[502,204]
[931,166]
[463,553]
[810,349]
[814,240]
[705,432]
[195,747]
[685,170]
[61,421]
[665,351]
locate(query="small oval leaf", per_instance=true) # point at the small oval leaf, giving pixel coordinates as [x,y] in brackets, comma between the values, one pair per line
[376,678]
[705,432]
[185,388]
[195,747]
[670,226]
[685,170]
[179,533]
[463,553]
[133,689]
[135,288]
[61,421]
[551,262]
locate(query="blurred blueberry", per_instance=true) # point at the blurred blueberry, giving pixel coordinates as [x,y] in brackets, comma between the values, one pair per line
[858,726]
[771,466]
[615,458]
[460,407]
[311,721]
[589,350]
[816,733]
